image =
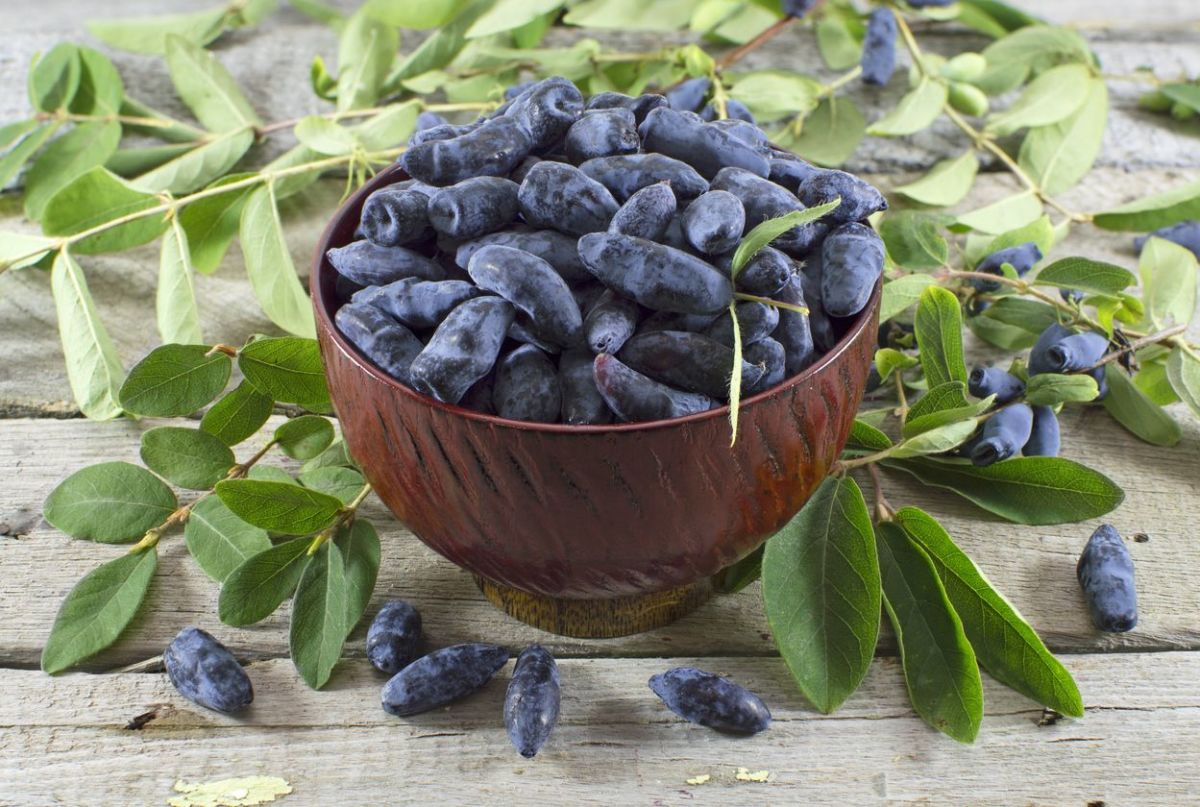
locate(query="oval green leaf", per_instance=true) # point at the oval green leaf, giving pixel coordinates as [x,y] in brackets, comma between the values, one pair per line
[93,368]
[1051,389]
[1086,275]
[319,611]
[186,457]
[220,541]
[111,503]
[257,586]
[175,305]
[238,414]
[270,268]
[304,437]
[938,328]
[288,369]
[279,506]
[1140,416]
[175,380]
[343,483]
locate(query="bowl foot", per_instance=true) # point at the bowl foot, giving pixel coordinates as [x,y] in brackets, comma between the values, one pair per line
[597,619]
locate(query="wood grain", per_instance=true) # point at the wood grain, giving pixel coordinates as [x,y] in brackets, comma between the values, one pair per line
[64,741]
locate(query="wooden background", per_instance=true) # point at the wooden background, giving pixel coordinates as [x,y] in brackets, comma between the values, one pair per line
[64,740]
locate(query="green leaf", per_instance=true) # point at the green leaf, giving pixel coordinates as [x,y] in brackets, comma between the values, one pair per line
[1004,643]
[1048,99]
[915,111]
[1183,371]
[769,230]
[632,15]
[304,437]
[1007,214]
[1086,275]
[941,417]
[212,222]
[269,266]
[913,240]
[175,380]
[320,11]
[901,293]
[735,378]
[271,473]
[1024,490]
[98,609]
[947,183]
[207,87]
[93,367]
[175,131]
[1140,416]
[1152,379]
[1035,48]
[938,439]
[840,47]
[100,91]
[219,540]
[774,94]
[238,415]
[189,458]
[11,133]
[54,78]
[110,503]
[253,590]
[1059,155]
[1030,316]
[1040,231]
[359,547]
[389,128]
[97,198]
[18,250]
[278,507]
[440,47]
[821,591]
[416,16]
[946,396]
[28,143]
[829,134]
[1006,337]
[176,309]
[149,34]
[318,617]
[737,576]
[342,483]
[336,456]
[508,14]
[252,12]
[1152,212]
[888,359]
[938,328]
[324,136]
[366,50]
[939,665]
[1168,282]
[864,435]
[196,168]
[1051,389]
[132,162]
[288,369]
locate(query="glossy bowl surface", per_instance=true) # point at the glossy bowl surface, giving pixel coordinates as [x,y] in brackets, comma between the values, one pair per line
[588,512]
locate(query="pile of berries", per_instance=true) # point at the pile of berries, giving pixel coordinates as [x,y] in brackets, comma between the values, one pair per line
[570,261]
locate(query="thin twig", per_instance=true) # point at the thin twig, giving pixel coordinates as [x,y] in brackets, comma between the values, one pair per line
[766,35]
[883,508]
[1137,344]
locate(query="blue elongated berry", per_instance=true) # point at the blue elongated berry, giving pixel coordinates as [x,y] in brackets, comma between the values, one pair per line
[1058,350]
[985,381]
[766,273]
[734,110]
[823,332]
[687,361]
[769,355]
[555,248]
[560,197]
[1022,258]
[748,132]
[1105,572]
[670,321]
[762,200]
[852,261]
[442,677]
[206,673]
[463,348]
[417,303]
[493,149]
[859,198]
[756,321]
[647,213]
[534,287]
[626,174]
[546,110]
[1003,435]
[879,48]
[1186,234]
[394,638]
[639,105]
[634,397]
[1044,439]
[602,133]
[795,330]
[790,171]
[382,339]
[441,131]
[582,403]
[688,95]
[706,148]
[610,323]
[532,702]
[473,207]
[526,386]
[710,700]
[428,120]
[714,222]
[369,264]
[659,277]
[393,216]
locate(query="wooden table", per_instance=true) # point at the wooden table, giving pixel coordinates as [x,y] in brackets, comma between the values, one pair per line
[66,740]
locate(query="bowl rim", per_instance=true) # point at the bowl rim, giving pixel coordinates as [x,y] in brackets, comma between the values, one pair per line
[323,304]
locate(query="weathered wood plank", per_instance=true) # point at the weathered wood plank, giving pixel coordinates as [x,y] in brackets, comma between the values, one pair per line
[64,742]
[1034,566]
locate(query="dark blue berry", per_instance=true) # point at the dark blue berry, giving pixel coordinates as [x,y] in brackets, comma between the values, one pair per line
[394,638]
[463,348]
[688,361]
[859,198]
[602,133]
[428,120]
[985,381]
[1044,439]
[546,110]
[526,386]
[561,197]
[879,47]
[714,222]
[634,397]
[382,339]
[610,323]
[852,261]
[624,175]
[687,96]
[756,321]
[582,403]
[553,247]
[647,213]
[1003,435]
[1058,350]
[369,264]
[1186,234]
[659,277]
[393,216]
[823,331]
[790,171]
[762,200]
[1105,572]
[797,8]
[473,207]
[769,355]
[493,149]
[639,105]
[534,287]
[711,700]
[532,702]
[734,110]
[206,673]
[417,303]
[1021,258]
[766,273]
[442,677]
[795,330]
[706,148]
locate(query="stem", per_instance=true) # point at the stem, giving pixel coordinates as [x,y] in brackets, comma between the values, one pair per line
[367,112]
[883,508]
[1138,344]
[132,120]
[902,409]
[345,517]
[754,298]
[765,36]
[841,81]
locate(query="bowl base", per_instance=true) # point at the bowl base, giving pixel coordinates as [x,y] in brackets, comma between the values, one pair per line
[597,619]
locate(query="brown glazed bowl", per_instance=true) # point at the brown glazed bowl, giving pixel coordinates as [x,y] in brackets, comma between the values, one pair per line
[588,530]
